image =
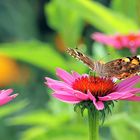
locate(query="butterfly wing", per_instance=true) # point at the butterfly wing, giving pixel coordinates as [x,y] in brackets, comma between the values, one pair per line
[123,68]
[118,68]
[82,57]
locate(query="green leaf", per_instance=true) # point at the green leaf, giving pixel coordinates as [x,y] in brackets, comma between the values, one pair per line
[40,54]
[123,126]
[101,17]
[74,131]
[34,133]
[134,5]
[122,132]
[65,21]
[134,122]
[39,117]
[12,108]
[35,52]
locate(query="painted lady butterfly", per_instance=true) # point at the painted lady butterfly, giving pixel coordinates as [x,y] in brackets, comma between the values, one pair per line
[119,68]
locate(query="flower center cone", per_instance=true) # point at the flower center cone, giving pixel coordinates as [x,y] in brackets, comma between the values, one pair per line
[96,85]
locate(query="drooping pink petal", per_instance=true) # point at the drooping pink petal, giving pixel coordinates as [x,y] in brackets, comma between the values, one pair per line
[57,85]
[91,97]
[65,76]
[81,95]
[129,93]
[66,98]
[132,98]
[99,105]
[5,93]
[64,93]
[5,96]
[128,83]
[7,99]
[51,81]
[120,95]
[75,74]
[126,96]
[134,90]
[112,96]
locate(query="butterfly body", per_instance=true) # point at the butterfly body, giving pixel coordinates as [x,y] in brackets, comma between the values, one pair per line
[119,68]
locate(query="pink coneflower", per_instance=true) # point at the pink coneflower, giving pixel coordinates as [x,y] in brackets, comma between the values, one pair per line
[4,96]
[130,41]
[75,88]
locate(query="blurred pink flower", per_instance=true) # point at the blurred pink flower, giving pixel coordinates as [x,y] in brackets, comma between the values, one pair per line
[130,41]
[75,88]
[4,96]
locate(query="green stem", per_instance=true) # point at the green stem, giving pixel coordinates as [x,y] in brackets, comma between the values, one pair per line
[93,120]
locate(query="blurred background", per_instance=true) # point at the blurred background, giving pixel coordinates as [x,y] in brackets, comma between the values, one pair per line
[33,37]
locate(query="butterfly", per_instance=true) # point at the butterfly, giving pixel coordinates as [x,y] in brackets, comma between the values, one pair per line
[119,68]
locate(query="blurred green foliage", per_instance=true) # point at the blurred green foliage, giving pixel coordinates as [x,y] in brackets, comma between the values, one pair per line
[18,20]
[34,115]
[118,5]
[39,54]
[65,21]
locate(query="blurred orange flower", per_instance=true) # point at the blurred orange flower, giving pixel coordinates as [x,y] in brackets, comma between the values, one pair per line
[9,71]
